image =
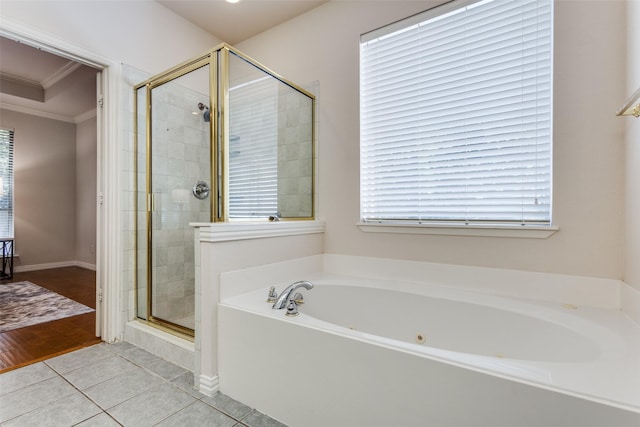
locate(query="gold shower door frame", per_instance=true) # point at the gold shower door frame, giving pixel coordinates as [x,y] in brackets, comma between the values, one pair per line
[218,61]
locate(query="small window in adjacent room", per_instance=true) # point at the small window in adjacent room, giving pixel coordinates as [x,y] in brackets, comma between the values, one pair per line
[6,183]
[456,116]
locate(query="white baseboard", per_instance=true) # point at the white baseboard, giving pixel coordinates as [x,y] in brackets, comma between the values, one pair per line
[47,266]
[85,265]
[209,385]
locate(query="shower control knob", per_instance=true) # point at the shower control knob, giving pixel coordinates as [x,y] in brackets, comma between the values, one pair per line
[201,190]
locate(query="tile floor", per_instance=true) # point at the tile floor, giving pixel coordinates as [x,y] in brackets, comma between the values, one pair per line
[115,385]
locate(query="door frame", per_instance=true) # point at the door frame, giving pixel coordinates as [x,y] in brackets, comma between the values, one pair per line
[109,322]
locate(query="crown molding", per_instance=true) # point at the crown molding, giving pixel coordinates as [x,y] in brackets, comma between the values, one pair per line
[20,80]
[32,112]
[85,116]
[60,74]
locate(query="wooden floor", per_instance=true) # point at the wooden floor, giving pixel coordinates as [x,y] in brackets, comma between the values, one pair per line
[31,344]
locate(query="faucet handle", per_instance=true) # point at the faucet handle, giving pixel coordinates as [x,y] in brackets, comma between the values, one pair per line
[298,298]
[273,295]
[292,308]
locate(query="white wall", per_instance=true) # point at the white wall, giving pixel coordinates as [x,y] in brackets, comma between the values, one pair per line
[86,161]
[632,154]
[45,182]
[143,34]
[588,139]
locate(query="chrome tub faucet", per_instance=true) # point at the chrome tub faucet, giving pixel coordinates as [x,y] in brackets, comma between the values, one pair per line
[288,293]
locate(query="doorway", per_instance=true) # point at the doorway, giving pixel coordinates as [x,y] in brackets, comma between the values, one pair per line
[107,263]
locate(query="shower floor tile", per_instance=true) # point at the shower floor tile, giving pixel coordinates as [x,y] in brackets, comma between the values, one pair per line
[115,385]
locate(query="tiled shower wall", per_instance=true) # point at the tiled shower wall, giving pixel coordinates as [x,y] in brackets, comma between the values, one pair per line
[130,77]
[295,155]
[180,158]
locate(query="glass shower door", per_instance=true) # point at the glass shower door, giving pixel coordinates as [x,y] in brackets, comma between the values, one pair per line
[218,138]
[179,180]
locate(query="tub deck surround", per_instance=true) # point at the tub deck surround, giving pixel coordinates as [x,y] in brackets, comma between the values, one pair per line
[508,361]
[549,287]
[587,352]
[237,246]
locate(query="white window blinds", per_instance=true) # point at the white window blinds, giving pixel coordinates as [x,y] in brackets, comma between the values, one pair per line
[455,115]
[253,149]
[6,183]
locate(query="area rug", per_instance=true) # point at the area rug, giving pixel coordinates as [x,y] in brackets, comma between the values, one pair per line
[25,304]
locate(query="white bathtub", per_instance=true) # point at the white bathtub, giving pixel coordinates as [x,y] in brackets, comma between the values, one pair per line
[372,353]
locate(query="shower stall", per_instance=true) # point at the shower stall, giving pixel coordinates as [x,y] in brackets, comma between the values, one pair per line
[219,138]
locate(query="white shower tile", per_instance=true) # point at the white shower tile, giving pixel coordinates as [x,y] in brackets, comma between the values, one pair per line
[160,255]
[175,271]
[194,137]
[176,150]
[192,153]
[176,167]
[175,133]
[176,254]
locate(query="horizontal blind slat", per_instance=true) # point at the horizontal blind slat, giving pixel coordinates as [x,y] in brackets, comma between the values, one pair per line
[456,111]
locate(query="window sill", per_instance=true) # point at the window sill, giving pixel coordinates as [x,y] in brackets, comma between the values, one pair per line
[517,231]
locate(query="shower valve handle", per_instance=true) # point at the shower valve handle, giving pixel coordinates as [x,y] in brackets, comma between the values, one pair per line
[201,190]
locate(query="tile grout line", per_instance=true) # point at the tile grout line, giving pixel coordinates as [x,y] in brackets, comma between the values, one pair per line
[169,382]
[121,356]
[200,399]
[102,410]
[178,385]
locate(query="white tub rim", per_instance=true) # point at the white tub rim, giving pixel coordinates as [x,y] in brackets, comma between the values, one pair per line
[528,372]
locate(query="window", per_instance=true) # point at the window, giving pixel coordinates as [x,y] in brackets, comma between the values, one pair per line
[455,116]
[6,183]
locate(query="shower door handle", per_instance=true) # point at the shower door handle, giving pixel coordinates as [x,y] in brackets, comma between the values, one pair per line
[201,190]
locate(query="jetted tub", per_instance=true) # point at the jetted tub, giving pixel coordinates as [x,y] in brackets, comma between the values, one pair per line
[371,353]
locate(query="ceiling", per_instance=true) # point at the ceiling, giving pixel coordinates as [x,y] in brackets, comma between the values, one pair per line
[233,23]
[37,82]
